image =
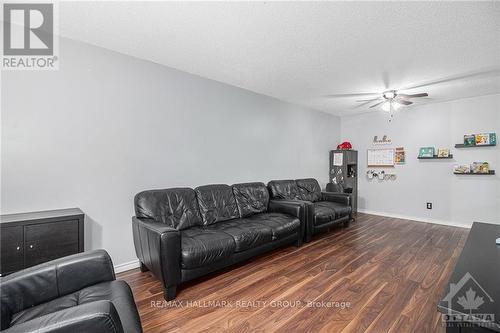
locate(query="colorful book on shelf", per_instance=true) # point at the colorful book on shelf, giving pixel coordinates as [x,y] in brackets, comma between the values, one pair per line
[480,167]
[482,139]
[443,152]
[426,152]
[461,168]
[469,140]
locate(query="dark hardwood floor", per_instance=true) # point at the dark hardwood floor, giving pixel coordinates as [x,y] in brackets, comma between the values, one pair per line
[391,271]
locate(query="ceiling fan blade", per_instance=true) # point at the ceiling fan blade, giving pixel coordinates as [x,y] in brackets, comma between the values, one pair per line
[351,95]
[402,101]
[413,95]
[368,100]
[484,73]
[363,104]
[374,105]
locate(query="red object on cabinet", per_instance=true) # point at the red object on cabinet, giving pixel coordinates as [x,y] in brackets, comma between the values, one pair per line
[346,145]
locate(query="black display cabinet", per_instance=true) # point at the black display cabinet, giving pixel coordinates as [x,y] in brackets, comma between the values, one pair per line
[344,174]
[28,239]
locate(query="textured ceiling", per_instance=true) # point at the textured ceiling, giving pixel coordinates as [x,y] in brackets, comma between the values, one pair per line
[301,51]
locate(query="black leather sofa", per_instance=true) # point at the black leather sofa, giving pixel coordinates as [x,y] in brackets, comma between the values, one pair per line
[323,209]
[77,293]
[181,234]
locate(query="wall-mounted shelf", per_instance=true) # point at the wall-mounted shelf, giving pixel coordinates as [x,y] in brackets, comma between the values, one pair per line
[435,157]
[492,172]
[461,145]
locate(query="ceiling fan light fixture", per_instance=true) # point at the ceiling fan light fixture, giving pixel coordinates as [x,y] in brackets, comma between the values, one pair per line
[396,106]
[386,106]
[389,94]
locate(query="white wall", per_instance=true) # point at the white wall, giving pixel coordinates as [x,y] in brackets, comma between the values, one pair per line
[106,126]
[456,199]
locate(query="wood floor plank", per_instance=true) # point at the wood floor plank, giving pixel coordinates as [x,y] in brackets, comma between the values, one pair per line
[390,271]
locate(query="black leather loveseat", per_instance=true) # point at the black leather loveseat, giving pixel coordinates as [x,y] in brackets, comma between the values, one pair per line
[73,294]
[181,233]
[323,209]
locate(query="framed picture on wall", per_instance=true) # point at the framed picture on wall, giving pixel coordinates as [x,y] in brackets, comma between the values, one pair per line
[399,156]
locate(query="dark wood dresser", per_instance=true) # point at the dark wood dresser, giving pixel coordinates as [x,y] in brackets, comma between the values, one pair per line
[28,239]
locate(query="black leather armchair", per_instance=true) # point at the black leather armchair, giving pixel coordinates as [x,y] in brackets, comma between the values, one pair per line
[77,293]
[323,209]
[181,234]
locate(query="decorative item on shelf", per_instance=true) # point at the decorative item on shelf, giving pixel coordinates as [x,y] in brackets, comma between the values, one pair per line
[461,168]
[346,145]
[478,140]
[469,140]
[482,139]
[399,156]
[480,167]
[426,152]
[337,176]
[384,141]
[486,139]
[380,175]
[493,138]
[443,153]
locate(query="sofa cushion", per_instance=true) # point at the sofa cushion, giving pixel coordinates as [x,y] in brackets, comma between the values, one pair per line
[281,225]
[42,309]
[117,292]
[284,189]
[200,247]
[246,234]
[251,198]
[326,211]
[341,210]
[176,207]
[309,189]
[217,203]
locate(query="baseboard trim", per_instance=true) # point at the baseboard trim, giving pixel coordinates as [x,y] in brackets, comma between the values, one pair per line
[415,218]
[126,266]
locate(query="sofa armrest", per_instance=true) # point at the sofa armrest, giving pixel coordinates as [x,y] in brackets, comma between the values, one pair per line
[342,198]
[154,226]
[53,279]
[98,316]
[158,247]
[297,208]
[290,207]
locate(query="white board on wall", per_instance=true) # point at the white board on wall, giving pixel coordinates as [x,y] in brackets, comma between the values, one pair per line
[380,157]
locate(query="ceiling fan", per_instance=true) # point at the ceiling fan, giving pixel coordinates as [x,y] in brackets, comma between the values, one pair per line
[392,98]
